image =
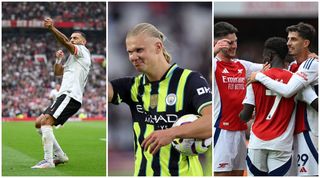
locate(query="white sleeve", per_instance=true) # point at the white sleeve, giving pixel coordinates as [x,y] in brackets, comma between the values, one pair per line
[285,90]
[308,71]
[249,99]
[78,51]
[308,95]
[251,67]
[214,64]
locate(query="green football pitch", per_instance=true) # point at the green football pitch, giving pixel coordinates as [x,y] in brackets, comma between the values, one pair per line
[84,143]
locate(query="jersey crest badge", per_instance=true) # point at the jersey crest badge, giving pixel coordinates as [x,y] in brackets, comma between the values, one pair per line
[171,99]
[153,101]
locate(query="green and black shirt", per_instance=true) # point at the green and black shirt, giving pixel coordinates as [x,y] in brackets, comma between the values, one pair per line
[157,105]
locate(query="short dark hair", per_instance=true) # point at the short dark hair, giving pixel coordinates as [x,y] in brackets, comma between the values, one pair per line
[305,30]
[222,29]
[82,34]
[278,45]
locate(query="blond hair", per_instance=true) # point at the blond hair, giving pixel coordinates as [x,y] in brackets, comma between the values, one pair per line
[153,32]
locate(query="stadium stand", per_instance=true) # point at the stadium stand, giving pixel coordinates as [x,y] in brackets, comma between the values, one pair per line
[28,55]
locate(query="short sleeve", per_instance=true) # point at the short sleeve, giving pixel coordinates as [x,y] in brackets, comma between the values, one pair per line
[251,67]
[121,88]
[308,71]
[78,51]
[249,99]
[198,91]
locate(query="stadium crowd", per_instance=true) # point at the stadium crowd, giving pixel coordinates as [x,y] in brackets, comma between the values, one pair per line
[58,11]
[26,82]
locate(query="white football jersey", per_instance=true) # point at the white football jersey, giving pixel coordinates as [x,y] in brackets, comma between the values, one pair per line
[75,73]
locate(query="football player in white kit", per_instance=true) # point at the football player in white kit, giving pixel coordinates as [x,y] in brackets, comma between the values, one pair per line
[300,37]
[271,138]
[74,78]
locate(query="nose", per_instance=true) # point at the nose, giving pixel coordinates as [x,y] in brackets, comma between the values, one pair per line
[288,43]
[133,56]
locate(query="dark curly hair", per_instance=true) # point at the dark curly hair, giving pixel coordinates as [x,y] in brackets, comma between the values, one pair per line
[278,45]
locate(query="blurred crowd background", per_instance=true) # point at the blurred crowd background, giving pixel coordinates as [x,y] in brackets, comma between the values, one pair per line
[257,21]
[28,55]
[188,30]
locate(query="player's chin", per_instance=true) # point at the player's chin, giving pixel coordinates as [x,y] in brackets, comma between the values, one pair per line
[139,68]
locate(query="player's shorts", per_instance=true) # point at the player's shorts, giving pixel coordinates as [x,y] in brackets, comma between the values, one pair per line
[229,150]
[261,162]
[306,154]
[62,108]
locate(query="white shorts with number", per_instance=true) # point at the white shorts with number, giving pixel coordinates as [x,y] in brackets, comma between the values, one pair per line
[262,162]
[306,154]
[229,150]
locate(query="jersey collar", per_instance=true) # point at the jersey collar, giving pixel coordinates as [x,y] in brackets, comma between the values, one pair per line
[166,75]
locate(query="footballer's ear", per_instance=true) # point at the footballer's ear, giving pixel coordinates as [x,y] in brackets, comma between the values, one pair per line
[158,47]
[306,43]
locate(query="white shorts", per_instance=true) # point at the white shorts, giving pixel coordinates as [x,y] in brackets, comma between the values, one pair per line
[306,154]
[262,162]
[229,150]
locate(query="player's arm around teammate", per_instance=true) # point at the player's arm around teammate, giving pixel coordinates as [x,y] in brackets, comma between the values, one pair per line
[200,129]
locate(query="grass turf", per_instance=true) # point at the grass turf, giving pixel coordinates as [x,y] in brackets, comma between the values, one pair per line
[84,143]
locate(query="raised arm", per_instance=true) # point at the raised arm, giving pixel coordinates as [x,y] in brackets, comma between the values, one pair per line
[61,38]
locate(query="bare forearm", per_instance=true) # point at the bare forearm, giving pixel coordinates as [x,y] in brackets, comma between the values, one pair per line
[61,38]
[58,69]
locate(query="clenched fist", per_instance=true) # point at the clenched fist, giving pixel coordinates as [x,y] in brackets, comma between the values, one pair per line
[48,22]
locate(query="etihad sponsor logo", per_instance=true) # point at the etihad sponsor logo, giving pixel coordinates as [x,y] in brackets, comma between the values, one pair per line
[162,120]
